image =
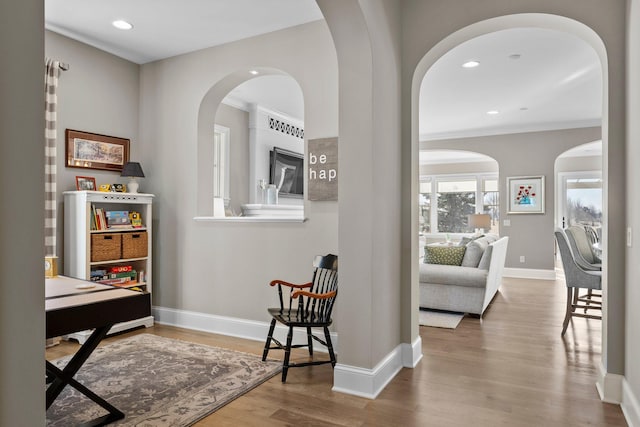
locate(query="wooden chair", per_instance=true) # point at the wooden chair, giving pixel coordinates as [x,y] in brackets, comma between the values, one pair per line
[309,306]
[576,278]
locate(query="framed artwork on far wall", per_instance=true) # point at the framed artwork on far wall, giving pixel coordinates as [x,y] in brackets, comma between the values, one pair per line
[93,151]
[525,194]
[86,183]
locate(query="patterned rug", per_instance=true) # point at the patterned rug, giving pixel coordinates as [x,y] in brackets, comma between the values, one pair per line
[159,381]
[440,319]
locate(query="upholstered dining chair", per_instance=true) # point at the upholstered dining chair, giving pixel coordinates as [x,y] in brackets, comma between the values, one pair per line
[308,306]
[581,246]
[575,279]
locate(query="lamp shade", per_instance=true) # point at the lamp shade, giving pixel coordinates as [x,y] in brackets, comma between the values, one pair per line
[480,221]
[132,169]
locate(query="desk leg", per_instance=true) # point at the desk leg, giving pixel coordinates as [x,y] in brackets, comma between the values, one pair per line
[65,376]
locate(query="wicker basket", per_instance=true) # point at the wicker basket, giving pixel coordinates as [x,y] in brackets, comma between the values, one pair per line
[105,246]
[134,245]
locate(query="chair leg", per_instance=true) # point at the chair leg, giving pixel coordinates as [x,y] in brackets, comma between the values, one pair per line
[287,354]
[588,296]
[310,342]
[567,315]
[330,346]
[269,337]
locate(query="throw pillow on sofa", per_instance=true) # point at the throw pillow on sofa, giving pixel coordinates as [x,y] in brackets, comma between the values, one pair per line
[445,255]
[474,252]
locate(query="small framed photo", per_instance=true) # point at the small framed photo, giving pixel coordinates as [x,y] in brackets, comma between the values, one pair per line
[86,183]
[118,188]
[525,194]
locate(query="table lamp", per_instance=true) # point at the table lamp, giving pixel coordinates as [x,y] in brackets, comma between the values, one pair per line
[132,170]
[479,222]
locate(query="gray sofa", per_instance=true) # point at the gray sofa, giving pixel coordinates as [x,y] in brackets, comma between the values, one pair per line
[470,287]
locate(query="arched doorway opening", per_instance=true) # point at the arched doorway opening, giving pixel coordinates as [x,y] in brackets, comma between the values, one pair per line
[236,135]
[538,21]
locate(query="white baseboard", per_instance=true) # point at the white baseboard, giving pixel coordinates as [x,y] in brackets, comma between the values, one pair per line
[529,273]
[609,386]
[630,405]
[412,353]
[232,326]
[367,383]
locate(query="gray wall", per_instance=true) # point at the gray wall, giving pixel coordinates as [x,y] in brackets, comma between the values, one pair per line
[99,94]
[211,267]
[369,186]
[632,323]
[522,155]
[22,214]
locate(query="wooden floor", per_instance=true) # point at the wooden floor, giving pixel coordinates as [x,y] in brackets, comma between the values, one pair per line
[510,368]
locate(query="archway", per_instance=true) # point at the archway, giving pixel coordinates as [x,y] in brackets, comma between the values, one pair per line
[491,25]
[251,153]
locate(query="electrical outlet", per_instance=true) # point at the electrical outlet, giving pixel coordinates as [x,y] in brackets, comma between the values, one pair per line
[521,258]
[629,237]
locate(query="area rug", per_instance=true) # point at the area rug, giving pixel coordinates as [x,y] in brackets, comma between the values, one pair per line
[440,319]
[159,381]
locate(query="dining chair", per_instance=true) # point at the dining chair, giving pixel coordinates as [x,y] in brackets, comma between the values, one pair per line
[577,278]
[308,306]
[581,246]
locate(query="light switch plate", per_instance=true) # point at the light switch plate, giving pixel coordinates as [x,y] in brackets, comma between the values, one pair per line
[506,222]
[629,237]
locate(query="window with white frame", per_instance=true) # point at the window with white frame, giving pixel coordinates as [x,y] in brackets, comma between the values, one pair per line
[221,141]
[445,201]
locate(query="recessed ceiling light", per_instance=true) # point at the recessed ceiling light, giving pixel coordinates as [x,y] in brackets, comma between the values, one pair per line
[524,108]
[254,72]
[493,112]
[470,64]
[122,25]
[515,56]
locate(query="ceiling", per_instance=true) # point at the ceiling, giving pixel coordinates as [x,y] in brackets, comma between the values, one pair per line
[536,79]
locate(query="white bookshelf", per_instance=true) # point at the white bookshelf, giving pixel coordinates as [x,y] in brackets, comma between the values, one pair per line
[78,212]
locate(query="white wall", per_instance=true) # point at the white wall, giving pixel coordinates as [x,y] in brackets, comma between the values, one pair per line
[220,268]
[22,317]
[262,140]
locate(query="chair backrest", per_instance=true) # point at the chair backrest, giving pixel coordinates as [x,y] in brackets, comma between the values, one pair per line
[592,234]
[575,277]
[580,243]
[325,280]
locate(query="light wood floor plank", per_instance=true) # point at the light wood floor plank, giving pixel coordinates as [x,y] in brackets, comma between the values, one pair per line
[510,368]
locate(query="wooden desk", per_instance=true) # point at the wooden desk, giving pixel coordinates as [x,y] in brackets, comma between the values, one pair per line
[73,305]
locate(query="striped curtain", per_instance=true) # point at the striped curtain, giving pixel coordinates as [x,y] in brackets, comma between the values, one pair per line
[50,83]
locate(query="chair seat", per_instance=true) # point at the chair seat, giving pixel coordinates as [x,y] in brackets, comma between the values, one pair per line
[294,317]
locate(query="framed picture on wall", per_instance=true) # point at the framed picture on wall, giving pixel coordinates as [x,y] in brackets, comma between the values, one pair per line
[525,194]
[93,151]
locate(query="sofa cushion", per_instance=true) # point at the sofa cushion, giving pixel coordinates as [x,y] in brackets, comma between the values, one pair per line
[466,240]
[453,275]
[446,255]
[474,252]
[485,261]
